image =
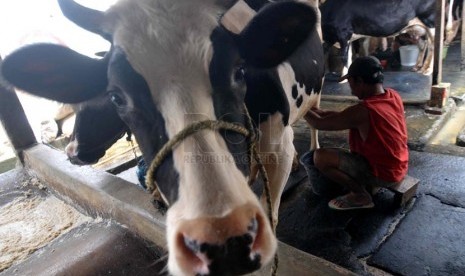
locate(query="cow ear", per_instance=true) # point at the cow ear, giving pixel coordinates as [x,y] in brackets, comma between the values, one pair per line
[55,72]
[275,33]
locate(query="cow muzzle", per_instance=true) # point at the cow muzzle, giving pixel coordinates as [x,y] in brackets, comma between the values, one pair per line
[79,158]
[235,244]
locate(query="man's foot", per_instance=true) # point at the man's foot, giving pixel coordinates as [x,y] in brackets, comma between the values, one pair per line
[351,202]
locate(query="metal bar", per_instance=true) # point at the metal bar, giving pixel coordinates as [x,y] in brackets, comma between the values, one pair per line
[14,120]
[438,41]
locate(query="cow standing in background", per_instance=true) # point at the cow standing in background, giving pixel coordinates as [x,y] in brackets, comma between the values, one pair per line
[454,20]
[174,62]
[342,19]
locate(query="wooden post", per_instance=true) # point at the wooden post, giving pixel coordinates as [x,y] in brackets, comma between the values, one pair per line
[14,120]
[462,41]
[438,42]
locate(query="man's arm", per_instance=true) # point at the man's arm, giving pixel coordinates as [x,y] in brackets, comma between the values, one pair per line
[324,113]
[356,116]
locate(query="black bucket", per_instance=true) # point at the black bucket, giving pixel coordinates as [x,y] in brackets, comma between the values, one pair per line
[321,185]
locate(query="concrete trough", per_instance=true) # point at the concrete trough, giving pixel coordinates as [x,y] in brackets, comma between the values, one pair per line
[105,195]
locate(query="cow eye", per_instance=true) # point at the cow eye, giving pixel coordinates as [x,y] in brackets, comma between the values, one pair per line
[116,99]
[239,74]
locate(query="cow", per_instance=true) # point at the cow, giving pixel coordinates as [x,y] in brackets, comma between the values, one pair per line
[342,19]
[177,62]
[454,18]
[97,127]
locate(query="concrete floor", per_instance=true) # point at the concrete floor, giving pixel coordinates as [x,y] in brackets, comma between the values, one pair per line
[387,239]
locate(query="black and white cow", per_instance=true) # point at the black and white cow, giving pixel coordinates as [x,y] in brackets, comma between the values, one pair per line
[454,19]
[342,19]
[97,127]
[174,62]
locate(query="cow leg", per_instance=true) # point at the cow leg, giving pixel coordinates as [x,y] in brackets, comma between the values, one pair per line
[451,33]
[277,152]
[453,22]
[314,139]
[346,51]
[427,67]
[422,55]
[429,61]
[314,144]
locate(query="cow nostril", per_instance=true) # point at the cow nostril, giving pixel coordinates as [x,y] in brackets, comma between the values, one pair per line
[253,226]
[236,253]
[235,244]
[192,245]
[195,256]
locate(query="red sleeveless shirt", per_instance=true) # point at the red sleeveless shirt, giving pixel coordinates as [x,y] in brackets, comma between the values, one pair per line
[386,145]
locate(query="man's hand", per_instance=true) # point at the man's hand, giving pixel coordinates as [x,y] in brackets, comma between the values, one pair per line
[322,112]
[356,116]
[312,116]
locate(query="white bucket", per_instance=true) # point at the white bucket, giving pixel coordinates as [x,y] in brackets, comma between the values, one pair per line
[408,55]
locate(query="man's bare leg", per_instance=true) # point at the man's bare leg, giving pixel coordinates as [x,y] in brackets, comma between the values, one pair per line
[327,161]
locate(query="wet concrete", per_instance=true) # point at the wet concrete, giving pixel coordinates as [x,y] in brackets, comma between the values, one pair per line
[428,241]
[347,238]
[460,140]
[442,176]
[452,132]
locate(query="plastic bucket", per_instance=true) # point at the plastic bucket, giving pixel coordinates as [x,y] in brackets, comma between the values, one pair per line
[321,185]
[408,55]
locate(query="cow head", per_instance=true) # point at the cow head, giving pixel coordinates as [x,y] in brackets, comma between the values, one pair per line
[173,63]
[96,128]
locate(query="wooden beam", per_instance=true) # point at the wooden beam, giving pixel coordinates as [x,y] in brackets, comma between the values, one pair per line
[438,42]
[14,120]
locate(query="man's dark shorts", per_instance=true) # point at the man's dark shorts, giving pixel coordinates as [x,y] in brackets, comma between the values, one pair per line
[359,169]
[352,164]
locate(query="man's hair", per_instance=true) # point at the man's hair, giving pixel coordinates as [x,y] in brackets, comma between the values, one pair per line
[368,68]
